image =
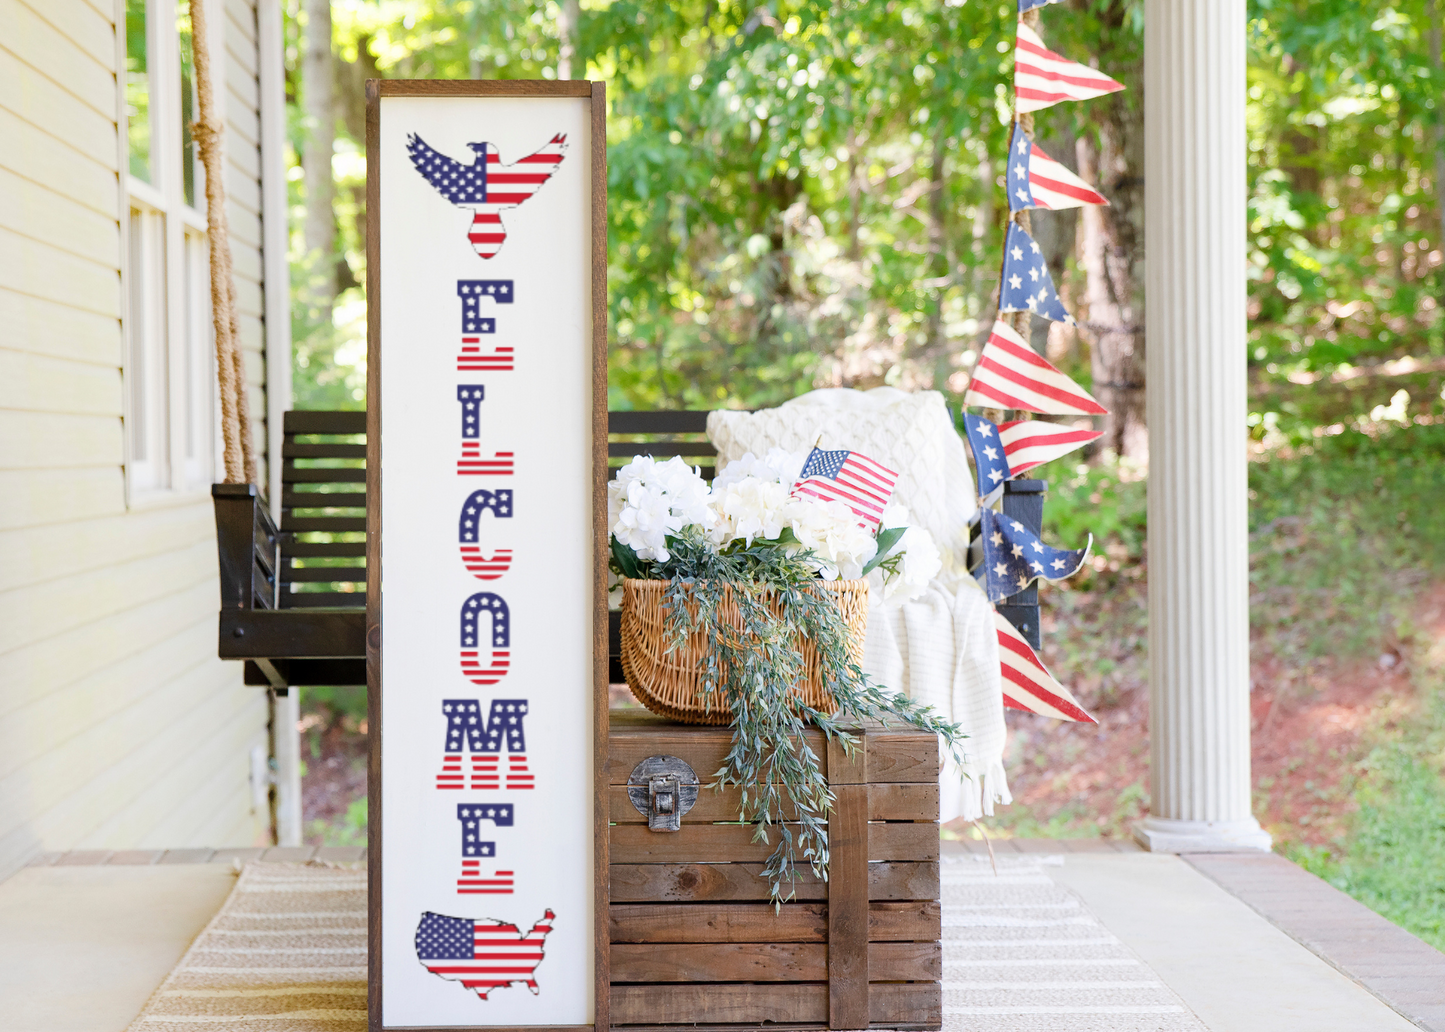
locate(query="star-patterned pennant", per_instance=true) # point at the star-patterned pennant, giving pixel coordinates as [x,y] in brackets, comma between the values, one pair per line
[1027,285]
[990,463]
[1036,180]
[1014,557]
[1028,5]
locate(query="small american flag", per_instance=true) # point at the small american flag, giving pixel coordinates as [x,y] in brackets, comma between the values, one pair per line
[471,882]
[485,185]
[1027,683]
[485,602]
[851,478]
[1036,180]
[482,955]
[1010,375]
[499,504]
[1043,78]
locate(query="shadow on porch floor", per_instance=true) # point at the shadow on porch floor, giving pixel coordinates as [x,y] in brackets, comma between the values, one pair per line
[1248,943]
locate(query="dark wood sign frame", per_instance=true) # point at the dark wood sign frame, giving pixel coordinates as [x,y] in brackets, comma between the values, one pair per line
[596,92]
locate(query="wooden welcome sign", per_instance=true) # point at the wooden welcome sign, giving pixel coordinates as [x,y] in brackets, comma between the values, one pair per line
[486,604]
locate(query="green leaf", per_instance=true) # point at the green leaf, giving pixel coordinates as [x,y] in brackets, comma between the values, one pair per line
[626,560]
[886,540]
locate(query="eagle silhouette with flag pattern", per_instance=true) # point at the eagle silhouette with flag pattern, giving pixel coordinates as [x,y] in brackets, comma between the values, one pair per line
[485,185]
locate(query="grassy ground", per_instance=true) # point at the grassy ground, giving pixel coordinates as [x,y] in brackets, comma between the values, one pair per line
[1347,679]
[1347,672]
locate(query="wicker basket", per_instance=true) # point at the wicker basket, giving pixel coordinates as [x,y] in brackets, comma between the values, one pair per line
[668,682]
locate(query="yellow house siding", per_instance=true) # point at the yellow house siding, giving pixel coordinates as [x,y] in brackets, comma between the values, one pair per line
[119,727]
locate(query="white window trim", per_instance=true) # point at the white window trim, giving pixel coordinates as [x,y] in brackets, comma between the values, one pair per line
[189,406]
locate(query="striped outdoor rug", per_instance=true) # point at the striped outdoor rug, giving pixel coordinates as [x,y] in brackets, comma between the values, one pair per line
[286,953]
[1021,954]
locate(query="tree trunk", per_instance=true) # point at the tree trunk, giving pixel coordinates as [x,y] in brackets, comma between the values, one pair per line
[1437,14]
[318,82]
[567,14]
[937,242]
[1112,257]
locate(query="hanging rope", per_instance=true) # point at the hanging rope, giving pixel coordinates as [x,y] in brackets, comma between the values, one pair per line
[238,452]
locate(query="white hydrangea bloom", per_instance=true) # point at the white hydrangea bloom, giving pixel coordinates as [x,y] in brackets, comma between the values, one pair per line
[749,508]
[650,500]
[779,466]
[921,563]
[831,531]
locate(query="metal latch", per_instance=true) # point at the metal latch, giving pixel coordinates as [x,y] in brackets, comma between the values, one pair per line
[663,788]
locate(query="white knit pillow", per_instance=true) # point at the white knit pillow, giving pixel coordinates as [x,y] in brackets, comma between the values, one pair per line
[911,434]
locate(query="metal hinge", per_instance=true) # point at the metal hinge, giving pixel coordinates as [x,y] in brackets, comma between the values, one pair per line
[663,788]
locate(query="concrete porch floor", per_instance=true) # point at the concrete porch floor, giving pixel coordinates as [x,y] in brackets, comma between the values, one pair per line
[1250,943]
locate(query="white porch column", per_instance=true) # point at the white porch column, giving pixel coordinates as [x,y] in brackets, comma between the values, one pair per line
[1194,97]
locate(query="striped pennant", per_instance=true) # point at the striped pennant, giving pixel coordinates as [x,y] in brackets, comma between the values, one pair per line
[1038,181]
[1028,443]
[1027,683]
[1009,375]
[1043,78]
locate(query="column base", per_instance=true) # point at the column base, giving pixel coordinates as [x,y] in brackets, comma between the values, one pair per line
[1166,835]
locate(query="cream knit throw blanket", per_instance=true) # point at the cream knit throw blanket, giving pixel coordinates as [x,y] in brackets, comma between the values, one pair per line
[940,648]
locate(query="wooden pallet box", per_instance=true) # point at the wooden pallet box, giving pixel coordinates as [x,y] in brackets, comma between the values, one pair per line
[694,940]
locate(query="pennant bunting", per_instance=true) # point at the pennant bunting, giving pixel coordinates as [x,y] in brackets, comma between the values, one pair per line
[1027,683]
[1036,180]
[1028,5]
[990,464]
[1014,557]
[1002,452]
[1009,375]
[1027,285]
[1043,78]
[1028,443]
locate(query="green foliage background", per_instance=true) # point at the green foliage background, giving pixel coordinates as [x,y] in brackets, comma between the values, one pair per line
[771,170]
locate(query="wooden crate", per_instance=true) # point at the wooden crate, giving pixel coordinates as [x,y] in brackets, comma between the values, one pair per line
[694,940]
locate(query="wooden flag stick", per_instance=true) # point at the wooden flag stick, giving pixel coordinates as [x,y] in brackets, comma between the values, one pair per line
[238,453]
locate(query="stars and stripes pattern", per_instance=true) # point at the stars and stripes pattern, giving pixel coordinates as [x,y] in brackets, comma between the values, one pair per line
[499,504]
[1043,78]
[1014,557]
[1009,375]
[1027,683]
[485,185]
[849,477]
[1007,450]
[472,359]
[471,396]
[467,731]
[990,464]
[493,605]
[1029,443]
[1027,285]
[471,882]
[471,464]
[1036,180]
[482,955]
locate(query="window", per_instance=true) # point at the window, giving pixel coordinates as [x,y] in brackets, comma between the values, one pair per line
[170,412]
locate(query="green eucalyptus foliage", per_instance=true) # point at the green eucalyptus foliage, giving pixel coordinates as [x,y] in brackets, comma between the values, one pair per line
[751,670]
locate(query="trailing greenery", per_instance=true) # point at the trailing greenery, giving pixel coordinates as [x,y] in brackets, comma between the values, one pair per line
[751,670]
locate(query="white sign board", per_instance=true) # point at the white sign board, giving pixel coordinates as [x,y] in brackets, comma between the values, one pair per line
[483,404]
